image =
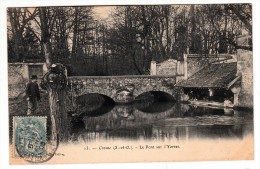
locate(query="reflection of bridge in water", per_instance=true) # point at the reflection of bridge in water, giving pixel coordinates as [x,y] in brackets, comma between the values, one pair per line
[127,122]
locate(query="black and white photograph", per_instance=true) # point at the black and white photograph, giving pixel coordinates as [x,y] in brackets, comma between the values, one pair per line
[130,83]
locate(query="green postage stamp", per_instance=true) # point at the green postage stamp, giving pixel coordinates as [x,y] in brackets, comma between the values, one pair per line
[29,136]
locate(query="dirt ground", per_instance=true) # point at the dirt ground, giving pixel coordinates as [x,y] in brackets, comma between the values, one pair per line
[18,107]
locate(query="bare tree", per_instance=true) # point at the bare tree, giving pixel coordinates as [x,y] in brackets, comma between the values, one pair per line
[19,20]
[46,25]
[56,90]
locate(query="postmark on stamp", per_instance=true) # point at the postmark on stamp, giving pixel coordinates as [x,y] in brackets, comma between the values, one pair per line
[29,137]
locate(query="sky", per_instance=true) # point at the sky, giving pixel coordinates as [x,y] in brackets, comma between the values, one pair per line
[103,12]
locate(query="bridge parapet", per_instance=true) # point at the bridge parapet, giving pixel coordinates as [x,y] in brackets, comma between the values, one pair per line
[117,86]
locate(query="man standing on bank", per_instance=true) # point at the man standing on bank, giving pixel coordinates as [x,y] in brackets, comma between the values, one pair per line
[33,95]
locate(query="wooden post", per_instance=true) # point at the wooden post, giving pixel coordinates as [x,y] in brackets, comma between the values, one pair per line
[54,81]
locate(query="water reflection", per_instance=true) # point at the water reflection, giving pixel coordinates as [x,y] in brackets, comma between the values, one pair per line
[93,105]
[154,102]
[178,121]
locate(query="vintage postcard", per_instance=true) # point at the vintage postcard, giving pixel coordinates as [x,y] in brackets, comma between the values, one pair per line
[130,83]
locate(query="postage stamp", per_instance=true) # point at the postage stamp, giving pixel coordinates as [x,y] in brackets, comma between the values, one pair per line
[29,136]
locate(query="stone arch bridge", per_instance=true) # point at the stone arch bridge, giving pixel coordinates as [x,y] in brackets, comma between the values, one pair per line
[122,88]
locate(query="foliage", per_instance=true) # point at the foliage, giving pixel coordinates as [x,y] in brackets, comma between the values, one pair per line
[137,35]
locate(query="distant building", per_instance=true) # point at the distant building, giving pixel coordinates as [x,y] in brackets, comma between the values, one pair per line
[227,76]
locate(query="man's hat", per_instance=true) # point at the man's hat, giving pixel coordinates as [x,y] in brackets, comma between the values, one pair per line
[34,77]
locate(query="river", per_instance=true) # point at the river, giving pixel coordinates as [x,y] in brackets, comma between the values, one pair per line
[165,120]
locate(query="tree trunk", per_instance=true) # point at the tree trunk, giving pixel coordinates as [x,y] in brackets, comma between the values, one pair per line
[47,53]
[75,33]
[58,114]
[55,83]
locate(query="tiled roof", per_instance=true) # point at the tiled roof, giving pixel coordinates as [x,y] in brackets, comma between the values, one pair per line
[212,76]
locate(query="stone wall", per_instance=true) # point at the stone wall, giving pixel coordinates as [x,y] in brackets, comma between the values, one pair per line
[113,86]
[18,75]
[168,67]
[245,68]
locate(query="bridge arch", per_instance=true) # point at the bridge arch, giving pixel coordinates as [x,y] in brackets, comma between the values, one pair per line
[160,95]
[105,93]
[159,90]
[154,102]
[93,104]
[94,96]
